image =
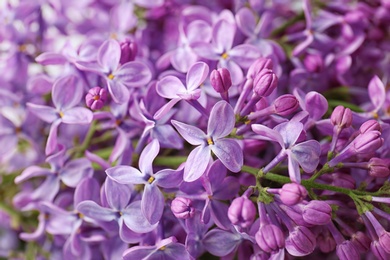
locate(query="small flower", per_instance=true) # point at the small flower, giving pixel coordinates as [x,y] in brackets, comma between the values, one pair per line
[96,97]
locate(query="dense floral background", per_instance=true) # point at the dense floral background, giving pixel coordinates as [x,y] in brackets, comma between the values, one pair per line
[194,129]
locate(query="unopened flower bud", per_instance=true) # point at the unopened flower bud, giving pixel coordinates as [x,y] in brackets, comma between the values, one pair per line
[182,208]
[317,213]
[259,65]
[220,80]
[285,105]
[264,83]
[347,251]
[313,63]
[301,241]
[368,142]
[326,242]
[379,167]
[341,117]
[361,241]
[343,180]
[128,51]
[379,251]
[96,97]
[384,240]
[370,125]
[242,212]
[292,193]
[270,238]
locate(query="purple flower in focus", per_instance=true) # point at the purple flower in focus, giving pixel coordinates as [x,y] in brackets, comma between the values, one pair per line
[118,77]
[96,97]
[66,95]
[305,154]
[221,123]
[152,203]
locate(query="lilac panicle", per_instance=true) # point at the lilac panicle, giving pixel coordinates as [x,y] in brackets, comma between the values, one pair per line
[220,124]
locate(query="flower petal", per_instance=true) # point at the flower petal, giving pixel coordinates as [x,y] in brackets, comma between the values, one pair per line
[133,74]
[147,157]
[77,115]
[169,87]
[47,114]
[230,153]
[109,55]
[67,92]
[190,133]
[223,35]
[376,91]
[135,220]
[290,131]
[117,195]
[196,75]
[92,210]
[169,178]
[307,154]
[152,204]
[196,164]
[118,91]
[220,242]
[125,175]
[31,172]
[221,121]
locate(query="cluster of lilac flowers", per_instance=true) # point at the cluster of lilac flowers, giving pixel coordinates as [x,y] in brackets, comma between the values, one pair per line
[189,129]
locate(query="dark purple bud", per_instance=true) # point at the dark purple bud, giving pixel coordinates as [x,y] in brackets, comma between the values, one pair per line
[301,241]
[182,208]
[128,51]
[220,80]
[379,167]
[326,242]
[259,65]
[368,142]
[317,213]
[270,238]
[285,105]
[361,241]
[264,83]
[292,193]
[96,97]
[313,63]
[370,125]
[347,251]
[341,117]
[242,212]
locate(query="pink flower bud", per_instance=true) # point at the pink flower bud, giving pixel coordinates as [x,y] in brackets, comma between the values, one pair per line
[285,105]
[258,65]
[270,238]
[182,208]
[361,241]
[220,80]
[368,142]
[96,97]
[292,193]
[264,83]
[347,251]
[379,167]
[326,242]
[301,241]
[317,213]
[128,51]
[242,212]
[313,63]
[341,117]
[370,125]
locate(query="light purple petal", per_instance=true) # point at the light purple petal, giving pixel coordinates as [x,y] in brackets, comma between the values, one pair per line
[117,195]
[215,174]
[31,172]
[169,87]
[205,50]
[109,55]
[138,252]
[147,157]
[307,154]
[223,35]
[125,175]
[244,55]
[221,121]
[303,45]
[152,204]
[51,144]
[74,171]
[88,189]
[227,189]
[90,66]
[164,110]
[235,70]
[47,114]
[183,58]
[246,21]
[167,136]
[67,92]
[198,31]
[51,58]
[135,220]
[220,242]
[267,134]
[376,91]
[127,235]
[169,178]
[196,164]
[196,75]
[190,133]
[290,131]
[118,91]
[77,115]
[293,169]
[219,214]
[121,143]
[133,74]
[92,210]
[230,153]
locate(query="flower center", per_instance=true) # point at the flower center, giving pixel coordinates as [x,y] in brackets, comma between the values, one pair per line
[61,114]
[224,56]
[96,97]
[111,76]
[151,179]
[210,141]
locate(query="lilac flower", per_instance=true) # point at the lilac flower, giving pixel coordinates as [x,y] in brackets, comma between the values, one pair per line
[167,248]
[66,95]
[172,88]
[118,77]
[152,203]
[221,123]
[305,154]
